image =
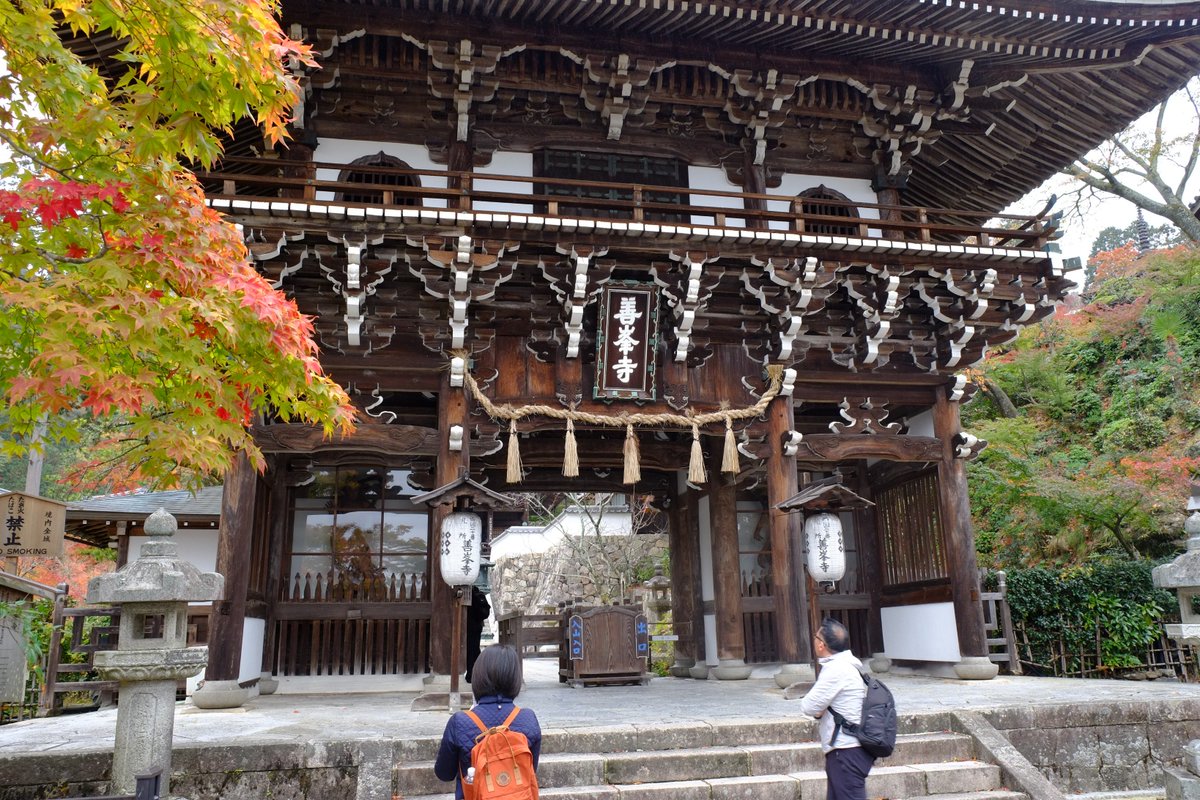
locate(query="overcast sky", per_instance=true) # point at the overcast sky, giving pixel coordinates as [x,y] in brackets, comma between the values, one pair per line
[1078,234]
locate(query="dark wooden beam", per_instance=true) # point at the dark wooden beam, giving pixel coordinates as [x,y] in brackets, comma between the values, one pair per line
[381,439]
[233,561]
[727,574]
[683,540]
[834,447]
[785,529]
[958,536]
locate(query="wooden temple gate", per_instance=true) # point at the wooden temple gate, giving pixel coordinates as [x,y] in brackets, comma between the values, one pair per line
[712,256]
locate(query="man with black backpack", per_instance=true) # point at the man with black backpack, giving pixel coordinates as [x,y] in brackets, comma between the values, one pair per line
[836,699]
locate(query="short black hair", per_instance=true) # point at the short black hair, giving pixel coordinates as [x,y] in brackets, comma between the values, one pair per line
[835,635]
[497,671]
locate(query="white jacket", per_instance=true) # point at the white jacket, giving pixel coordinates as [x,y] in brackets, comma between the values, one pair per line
[840,686]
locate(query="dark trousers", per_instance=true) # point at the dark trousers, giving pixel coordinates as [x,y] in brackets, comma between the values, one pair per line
[474,633]
[846,770]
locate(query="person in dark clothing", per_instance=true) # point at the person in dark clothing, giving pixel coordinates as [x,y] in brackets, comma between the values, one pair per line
[477,614]
[497,683]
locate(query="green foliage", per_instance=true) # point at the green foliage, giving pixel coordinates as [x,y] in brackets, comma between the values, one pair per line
[1111,604]
[1104,446]
[31,623]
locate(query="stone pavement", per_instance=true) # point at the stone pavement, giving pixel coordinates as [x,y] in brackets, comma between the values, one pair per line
[291,718]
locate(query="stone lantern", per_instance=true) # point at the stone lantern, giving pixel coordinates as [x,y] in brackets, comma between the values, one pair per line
[1183,575]
[152,655]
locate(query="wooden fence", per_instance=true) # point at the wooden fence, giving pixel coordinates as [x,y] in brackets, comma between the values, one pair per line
[1163,656]
[532,635]
[336,624]
[79,633]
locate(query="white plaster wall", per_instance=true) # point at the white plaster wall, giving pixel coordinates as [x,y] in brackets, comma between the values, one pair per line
[921,424]
[523,542]
[254,633]
[707,590]
[713,179]
[857,190]
[504,163]
[196,546]
[925,632]
[344,151]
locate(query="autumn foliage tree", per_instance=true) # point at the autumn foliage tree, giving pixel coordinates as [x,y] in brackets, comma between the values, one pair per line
[1104,435]
[123,297]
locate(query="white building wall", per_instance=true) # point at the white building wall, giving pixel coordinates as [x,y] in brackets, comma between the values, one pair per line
[857,190]
[197,547]
[714,179]
[345,151]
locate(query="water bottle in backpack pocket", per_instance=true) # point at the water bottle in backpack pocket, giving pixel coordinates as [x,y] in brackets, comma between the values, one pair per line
[501,764]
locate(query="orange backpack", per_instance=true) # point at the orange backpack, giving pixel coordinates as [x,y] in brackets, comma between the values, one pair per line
[502,762]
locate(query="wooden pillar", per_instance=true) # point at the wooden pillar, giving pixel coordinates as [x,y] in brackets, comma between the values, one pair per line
[692,501]
[870,563]
[233,561]
[275,569]
[685,576]
[754,181]
[957,535]
[297,160]
[791,605]
[727,574]
[452,410]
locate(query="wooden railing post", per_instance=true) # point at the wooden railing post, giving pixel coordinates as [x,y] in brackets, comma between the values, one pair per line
[53,653]
[923,219]
[639,213]
[464,192]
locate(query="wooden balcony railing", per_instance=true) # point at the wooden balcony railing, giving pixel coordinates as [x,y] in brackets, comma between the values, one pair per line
[472,191]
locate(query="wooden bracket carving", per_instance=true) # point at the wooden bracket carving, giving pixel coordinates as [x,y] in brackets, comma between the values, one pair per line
[577,283]
[868,418]
[622,83]
[464,270]
[687,286]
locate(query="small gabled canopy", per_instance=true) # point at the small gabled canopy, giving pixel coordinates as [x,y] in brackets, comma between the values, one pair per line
[462,487]
[827,494]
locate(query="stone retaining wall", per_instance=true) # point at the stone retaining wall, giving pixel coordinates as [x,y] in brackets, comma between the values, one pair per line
[591,567]
[1102,747]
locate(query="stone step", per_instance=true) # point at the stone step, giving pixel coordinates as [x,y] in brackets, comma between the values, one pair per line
[699,763]
[964,780]
[671,736]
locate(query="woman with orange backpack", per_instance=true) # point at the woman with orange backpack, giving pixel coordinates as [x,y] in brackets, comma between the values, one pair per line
[492,751]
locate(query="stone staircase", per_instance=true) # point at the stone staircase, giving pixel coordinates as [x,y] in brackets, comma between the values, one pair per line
[728,760]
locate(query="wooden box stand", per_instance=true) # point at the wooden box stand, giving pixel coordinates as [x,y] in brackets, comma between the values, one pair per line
[603,645]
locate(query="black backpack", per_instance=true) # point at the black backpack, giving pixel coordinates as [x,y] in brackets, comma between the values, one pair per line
[877,731]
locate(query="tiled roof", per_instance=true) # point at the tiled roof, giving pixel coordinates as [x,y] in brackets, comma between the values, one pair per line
[204,503]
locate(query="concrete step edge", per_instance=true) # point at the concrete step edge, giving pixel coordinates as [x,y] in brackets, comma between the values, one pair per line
[722,732]
[585,792]
[949,737]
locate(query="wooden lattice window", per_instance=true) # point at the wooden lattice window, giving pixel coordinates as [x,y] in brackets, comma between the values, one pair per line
[355,528]
[825,202]
[910,531]
[612,168]
[383,179]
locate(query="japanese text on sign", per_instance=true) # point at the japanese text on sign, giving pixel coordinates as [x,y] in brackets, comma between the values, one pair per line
[32,526]
[626,342]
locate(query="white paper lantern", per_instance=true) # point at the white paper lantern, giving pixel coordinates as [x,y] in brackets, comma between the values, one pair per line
[826,551]
[462,535]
